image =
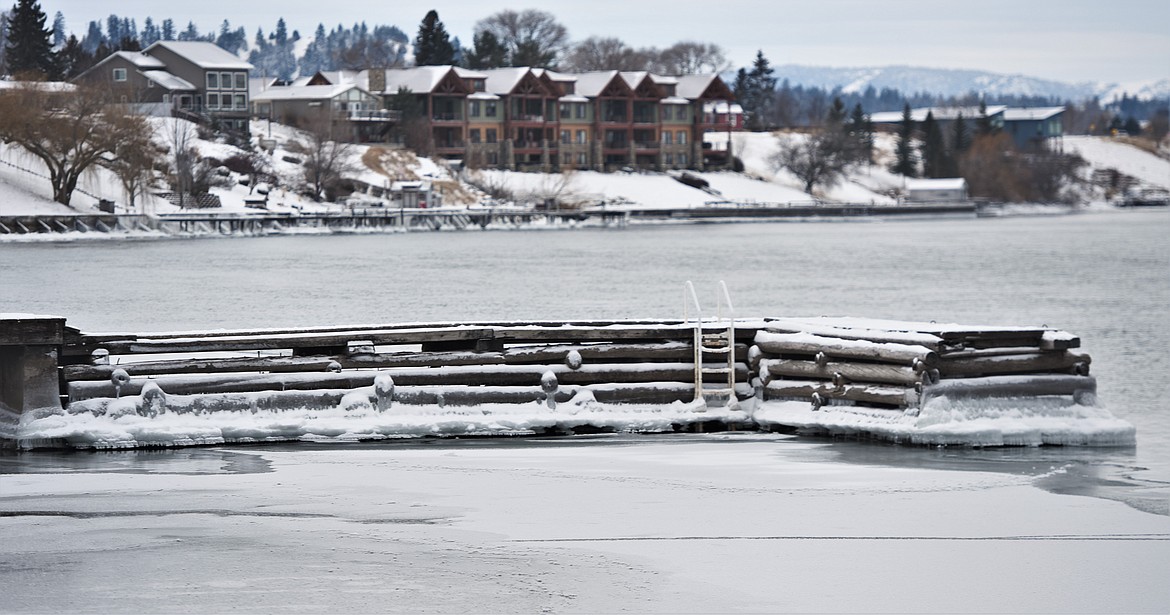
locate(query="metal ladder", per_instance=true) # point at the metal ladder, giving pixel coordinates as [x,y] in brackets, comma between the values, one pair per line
[721,341]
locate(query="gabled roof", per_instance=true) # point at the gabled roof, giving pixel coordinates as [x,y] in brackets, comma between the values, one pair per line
[417,79]
[202,54]
[1024,114]
[943,183]
[305,92]
[593,83]
[140,60]
[168,81]
[697,86]
[504,80]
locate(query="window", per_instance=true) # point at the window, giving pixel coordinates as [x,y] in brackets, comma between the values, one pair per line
[566,137]
[682,160]
[669,159]
[241,81]
[682,137]
[566,111]
[667,112]
[490,109]
[581,137]
[473,135]
[473,108]
[241,101]
[119,74]
[213,81]
[490,135]
[582,160]
[225,81]
[580,111]
[213,101]
[667,137]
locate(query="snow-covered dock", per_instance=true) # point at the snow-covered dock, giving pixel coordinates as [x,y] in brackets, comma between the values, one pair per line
[911,382]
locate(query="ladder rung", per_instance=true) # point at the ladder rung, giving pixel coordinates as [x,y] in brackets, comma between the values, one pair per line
[716,370]
[714,350]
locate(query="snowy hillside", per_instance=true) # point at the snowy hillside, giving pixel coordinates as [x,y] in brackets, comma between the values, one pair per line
[1109,153]
[952,82]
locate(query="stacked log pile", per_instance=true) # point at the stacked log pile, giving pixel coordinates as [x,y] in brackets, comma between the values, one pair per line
[901,365]
[459,364]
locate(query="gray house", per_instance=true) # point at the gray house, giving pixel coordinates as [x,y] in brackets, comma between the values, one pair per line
[193,79]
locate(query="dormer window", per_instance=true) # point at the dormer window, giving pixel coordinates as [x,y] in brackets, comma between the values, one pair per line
[119,74]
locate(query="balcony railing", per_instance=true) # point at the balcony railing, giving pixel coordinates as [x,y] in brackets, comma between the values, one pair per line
[447,117]
[527,117]
[371,115]
[646,145]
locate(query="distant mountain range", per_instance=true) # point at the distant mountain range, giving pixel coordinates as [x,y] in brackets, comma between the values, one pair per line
[955,82]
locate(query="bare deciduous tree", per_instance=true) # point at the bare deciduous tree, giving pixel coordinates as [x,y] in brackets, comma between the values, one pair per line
[528,35]
[135,159]
[325,160]
[69,129]
[818,159]
[692,57]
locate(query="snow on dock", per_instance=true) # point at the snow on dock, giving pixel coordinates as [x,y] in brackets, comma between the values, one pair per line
[917,383]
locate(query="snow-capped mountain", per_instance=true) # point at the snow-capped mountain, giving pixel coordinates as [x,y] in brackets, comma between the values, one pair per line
[956,82]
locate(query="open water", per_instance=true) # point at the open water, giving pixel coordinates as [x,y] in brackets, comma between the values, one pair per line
[1103,276]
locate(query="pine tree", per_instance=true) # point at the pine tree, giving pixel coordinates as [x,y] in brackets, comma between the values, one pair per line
[30,48]
[861,132]
[933,150]
[905,163]
[835,120]
[58,30]
[760,88]
[961,139]
[983,126]
[432,46]
[488,52]
[74,59]
[168,30]
[150,33]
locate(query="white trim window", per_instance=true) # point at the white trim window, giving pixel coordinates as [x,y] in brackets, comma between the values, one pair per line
[119,74]
[213,101]
[241,102]
[225,81]
[213,81]
[241,81]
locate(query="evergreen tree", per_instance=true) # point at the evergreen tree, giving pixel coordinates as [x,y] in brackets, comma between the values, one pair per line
[835,120]
[488,52]
[933,150]
[93,37]
[532,52]
[432,46]
[861,135]
[29,51]
[58,30]
[983,126]
[961,139]
[191,33]
[73,58]
[761,92]
[3,42]
[150,34]
[905,162]
[168,30]
[1133,128]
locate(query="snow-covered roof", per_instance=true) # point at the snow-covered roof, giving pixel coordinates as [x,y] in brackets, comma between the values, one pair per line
[940,113]
[1023,114]
[140,60]
[203,54]
[305,92]
[633,78]
[504,80]
[574,98]
[591,84]
[948,183]
[466,73]
[555,76]
[674,100]
[417,79]
[167,81]
[693,86]
[482,96]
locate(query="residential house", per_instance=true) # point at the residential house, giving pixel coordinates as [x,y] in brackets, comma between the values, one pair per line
[348,111]
[195,79]
[1030,128]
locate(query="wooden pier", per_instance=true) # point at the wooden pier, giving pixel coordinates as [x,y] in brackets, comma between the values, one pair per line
[575,375]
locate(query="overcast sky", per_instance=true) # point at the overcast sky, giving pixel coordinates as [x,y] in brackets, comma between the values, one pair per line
[1066,40]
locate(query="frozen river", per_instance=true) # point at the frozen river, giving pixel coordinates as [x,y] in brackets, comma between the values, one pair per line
[668,523]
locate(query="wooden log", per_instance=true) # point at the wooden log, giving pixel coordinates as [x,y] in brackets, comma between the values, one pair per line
[482,375]
[926,340]
[808,344]
[851,372]
[1013,386]
[229,343]
[1017,363]
[518,355]
[806,389]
